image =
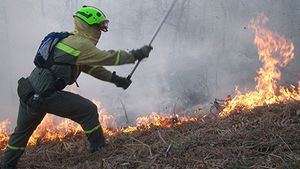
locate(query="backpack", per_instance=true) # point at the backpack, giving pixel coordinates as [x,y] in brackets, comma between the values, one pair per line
[44,57]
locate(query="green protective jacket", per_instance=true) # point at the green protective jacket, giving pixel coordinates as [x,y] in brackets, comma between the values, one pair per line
[78,53]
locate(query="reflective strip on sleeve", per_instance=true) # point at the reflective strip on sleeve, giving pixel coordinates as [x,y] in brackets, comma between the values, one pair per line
[92,130]
[118,58]
[92,69]
[15,148]
[68,49]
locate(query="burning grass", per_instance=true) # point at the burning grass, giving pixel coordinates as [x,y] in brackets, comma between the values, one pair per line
[266,137]
[275,52]
[54,129]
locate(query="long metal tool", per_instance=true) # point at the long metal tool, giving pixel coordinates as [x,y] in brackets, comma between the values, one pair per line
[155,34]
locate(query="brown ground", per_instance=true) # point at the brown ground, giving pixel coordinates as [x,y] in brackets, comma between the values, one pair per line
[267,137]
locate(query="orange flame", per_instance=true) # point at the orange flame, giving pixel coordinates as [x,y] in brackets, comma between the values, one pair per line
[275,52]
[52,128]
[3,133]
[107,121]
[156,119]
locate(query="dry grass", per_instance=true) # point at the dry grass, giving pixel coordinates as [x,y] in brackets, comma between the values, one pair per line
[267,137]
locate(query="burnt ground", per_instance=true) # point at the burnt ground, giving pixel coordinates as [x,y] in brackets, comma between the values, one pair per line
[267,137]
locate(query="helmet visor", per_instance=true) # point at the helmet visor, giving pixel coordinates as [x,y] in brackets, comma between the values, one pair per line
[103,26]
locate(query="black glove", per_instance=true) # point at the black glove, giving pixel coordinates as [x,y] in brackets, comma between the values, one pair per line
[143,52]
[120,81]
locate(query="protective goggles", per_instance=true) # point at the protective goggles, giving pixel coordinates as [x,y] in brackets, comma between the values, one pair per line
[103,26]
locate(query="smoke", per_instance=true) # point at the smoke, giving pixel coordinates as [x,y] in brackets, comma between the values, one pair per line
[203,51]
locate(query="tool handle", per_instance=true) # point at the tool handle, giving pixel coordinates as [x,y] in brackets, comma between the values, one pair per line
[133,70]
[162,22]
[154,35]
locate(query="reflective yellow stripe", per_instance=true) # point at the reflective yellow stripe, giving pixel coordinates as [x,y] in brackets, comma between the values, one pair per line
[15,148]
[92,130]
[68,49]
[92,69]
[118,58]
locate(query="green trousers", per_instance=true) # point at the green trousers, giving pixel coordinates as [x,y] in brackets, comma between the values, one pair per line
[63,104]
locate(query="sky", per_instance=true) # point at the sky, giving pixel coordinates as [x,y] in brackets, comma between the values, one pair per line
[204,50]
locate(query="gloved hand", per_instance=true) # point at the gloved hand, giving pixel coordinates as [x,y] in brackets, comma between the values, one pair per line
[143,52]
[120,81]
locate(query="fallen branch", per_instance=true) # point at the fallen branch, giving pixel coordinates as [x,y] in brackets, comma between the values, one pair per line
[150,152]
[159,135]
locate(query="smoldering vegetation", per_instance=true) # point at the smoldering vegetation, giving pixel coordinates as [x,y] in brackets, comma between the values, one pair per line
[203,51]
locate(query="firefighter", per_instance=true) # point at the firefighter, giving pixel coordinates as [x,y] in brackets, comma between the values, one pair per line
[72,55]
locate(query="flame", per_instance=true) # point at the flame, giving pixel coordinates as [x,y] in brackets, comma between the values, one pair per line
[274,52]
[3,133]
[156,119]
[56,129]
[107,121]
[52,129]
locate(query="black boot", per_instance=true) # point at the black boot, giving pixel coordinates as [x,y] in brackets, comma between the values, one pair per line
[11,158]
[97,140]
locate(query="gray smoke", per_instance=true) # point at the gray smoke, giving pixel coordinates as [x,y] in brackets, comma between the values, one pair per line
[204,50]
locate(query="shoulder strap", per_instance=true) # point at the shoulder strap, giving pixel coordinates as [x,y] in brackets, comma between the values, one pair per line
[44,57]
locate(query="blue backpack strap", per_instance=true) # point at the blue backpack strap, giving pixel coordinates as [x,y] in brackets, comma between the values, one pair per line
[44,56]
